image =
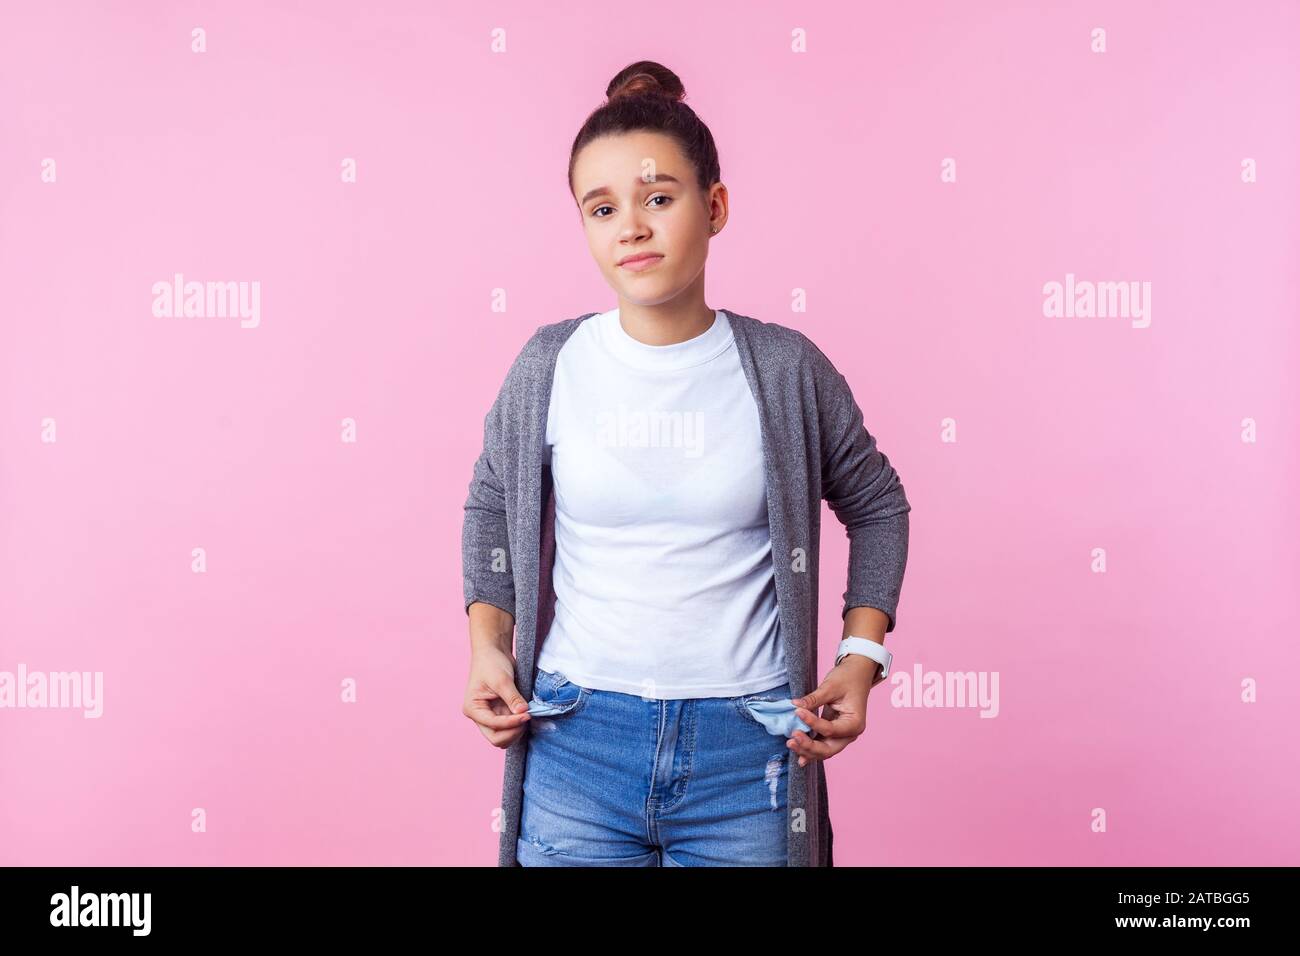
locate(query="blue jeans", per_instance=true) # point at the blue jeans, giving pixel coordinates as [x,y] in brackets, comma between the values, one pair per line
[614,779]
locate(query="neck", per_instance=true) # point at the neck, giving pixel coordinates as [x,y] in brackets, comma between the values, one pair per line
[667,323]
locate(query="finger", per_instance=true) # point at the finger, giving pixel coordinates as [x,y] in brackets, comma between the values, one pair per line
[510,702]
[822,726]
[804,758]
[501,739]
[492,713]
[812,699]
[805,746]
[509,693]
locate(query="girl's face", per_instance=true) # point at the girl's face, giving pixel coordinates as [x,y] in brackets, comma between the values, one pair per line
[637,195]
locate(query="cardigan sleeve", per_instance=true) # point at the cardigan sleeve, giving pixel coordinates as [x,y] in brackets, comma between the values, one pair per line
[486,559]
[864,492]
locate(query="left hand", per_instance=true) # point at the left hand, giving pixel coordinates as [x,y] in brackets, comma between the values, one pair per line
[844,695]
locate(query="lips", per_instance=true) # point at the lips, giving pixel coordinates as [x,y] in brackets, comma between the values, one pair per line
[640,263]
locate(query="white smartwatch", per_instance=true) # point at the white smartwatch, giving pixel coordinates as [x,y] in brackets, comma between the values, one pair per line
[867,648]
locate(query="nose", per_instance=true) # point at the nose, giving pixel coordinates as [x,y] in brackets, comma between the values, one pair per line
[635,227]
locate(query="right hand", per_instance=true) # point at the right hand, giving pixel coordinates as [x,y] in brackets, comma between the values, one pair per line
[492,700]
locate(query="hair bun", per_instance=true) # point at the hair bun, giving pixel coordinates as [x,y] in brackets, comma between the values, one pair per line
[645,77]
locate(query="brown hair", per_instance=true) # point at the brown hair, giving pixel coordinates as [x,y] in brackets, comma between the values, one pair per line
[648,96]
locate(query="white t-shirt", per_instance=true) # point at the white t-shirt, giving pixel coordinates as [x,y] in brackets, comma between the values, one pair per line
[663,573]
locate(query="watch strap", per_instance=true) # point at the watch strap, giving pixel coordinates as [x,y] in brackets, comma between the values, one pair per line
[867,648]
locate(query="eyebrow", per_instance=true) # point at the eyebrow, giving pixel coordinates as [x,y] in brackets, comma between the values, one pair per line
[660,178]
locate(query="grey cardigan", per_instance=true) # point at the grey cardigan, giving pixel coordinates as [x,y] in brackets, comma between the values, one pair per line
[815,446]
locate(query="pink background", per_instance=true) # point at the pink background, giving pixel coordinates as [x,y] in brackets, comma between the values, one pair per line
[329,560]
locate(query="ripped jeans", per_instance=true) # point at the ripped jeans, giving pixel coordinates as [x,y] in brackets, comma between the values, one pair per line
[614,779]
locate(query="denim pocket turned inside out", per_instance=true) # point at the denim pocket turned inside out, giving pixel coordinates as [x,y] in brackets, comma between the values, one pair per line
[777,714]
[555,695]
